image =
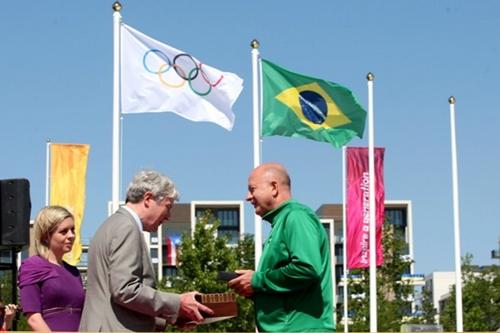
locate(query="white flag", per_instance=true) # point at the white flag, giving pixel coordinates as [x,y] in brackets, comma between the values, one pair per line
[158,78]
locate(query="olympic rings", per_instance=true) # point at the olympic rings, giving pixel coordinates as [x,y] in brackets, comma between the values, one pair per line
[190,77]
[197,92]
[161,55]
[160,72]
[206,78]
[192,74]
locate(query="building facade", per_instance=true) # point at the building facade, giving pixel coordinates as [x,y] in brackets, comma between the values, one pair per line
[439,285]
[398,214]
[166,240]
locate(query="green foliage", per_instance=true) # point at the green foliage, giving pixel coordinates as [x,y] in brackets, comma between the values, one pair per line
[200,258]
[358,303]
[245,253]
[6,286]
[20,323]
[428,310]
[393,294]
[480,299]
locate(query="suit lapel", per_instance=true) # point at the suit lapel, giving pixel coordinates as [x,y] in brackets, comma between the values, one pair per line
[147,264]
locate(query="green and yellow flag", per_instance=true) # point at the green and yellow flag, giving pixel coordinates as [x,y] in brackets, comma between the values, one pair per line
[301,106]
[68,170]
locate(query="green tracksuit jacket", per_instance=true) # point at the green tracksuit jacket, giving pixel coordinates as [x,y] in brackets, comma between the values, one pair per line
[293,284]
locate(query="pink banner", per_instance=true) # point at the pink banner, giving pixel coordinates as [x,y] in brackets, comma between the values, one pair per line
[358,206]
[171,255]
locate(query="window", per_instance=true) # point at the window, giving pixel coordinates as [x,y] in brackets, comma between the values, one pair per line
[339,272]
[396,216]
[84,260]
[229,222]
[327,230]
[339,249]
[154,253]
[169,271]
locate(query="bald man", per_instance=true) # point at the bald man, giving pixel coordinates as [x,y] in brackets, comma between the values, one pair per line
[292,287]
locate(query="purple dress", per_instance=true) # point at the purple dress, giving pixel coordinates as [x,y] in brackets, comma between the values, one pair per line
[54,291]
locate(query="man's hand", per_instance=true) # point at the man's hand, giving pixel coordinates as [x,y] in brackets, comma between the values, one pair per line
[189,310]
[242,285]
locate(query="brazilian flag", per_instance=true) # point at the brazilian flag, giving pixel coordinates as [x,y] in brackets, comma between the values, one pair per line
[301,106]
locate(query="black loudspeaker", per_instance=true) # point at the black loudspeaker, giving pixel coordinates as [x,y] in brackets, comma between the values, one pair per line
[15,210]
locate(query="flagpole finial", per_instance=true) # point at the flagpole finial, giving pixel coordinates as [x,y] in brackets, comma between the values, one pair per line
[370,76]
[117,6]
[451,100]
[48,140]
[255,44]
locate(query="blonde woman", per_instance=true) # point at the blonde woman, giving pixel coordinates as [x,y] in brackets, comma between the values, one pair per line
[51,290]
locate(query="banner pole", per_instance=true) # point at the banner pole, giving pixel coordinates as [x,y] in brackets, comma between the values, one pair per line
[373,213]
[256,74]
[344,236]
[47,172]
[456,219]
[115,172]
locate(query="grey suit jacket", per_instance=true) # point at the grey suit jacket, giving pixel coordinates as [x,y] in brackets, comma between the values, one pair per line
[121,288]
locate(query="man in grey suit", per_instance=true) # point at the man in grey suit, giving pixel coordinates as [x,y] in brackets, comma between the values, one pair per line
[121,288]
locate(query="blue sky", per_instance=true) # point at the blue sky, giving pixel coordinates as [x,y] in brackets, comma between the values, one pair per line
[56,82]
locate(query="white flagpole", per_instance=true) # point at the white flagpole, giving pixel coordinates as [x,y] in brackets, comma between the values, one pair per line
[456,219]
[344,236]
[47,172]
[256,138]
[115,172]
[373,213]
[120,183]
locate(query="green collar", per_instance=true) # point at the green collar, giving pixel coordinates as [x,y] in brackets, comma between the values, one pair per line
[270,216]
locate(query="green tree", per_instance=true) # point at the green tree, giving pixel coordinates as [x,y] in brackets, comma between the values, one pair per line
[245,252]
[428,310]
[393,292]
[6,293]
[480,299]
[201,257]
[245,258]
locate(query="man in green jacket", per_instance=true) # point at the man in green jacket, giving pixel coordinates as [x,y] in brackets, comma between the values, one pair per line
[292,287]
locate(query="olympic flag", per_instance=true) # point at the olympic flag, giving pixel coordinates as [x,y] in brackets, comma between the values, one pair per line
[358,207]
[159,78]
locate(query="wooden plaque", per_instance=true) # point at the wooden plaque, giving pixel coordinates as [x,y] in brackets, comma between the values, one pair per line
[223,304]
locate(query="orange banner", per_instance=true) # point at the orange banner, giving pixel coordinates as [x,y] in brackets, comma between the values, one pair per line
[68,170]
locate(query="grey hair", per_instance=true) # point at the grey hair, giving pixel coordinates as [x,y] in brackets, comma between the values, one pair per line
[159,185]
[46,222]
